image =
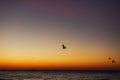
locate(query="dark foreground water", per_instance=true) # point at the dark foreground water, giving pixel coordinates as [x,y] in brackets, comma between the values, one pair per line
[59,75]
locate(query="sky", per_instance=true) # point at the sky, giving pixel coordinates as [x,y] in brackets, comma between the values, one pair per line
[32,33]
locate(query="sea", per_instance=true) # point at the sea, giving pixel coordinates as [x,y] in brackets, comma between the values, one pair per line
[59,75]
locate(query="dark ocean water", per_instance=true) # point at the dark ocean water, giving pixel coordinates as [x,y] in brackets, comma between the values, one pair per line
[59,75]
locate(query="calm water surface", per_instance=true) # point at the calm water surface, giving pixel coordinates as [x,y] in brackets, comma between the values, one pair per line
[58,75]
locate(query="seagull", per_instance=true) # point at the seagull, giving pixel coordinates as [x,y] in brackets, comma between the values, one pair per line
[113,61]
[63,46]
[109,58]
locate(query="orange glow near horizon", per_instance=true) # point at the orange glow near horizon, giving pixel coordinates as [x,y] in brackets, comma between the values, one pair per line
[17,56]
[59,66]
[59,61]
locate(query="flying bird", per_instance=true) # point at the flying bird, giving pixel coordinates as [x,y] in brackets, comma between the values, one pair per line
[113,61]
[109,58]
[63,46]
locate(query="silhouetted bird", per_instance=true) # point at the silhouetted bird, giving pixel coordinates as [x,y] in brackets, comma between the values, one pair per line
[113,61]
[109,58]
[63,46]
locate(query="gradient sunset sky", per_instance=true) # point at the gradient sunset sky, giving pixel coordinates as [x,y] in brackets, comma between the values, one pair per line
[32,33]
